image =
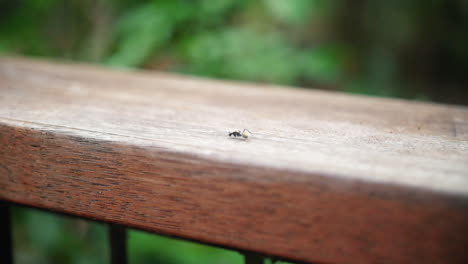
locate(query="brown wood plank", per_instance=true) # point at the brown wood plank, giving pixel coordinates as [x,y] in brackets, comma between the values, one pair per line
[326,177]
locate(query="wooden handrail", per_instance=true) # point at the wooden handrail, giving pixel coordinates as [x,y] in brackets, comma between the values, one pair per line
[324,177]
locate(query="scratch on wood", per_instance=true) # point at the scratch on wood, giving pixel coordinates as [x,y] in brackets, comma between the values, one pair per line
[454,128]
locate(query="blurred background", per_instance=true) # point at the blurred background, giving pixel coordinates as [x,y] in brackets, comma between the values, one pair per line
[414,49]
[42,237]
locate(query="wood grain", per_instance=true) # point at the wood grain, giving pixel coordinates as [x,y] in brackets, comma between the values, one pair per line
[326,177]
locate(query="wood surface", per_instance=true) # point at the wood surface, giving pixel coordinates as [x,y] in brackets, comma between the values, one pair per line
[326,177]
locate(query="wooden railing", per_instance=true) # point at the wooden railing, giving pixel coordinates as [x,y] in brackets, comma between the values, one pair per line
[325,177]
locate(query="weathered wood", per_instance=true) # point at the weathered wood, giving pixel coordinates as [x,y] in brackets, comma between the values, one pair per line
[326,177]
[118,244]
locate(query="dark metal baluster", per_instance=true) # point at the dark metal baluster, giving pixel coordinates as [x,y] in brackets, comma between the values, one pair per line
[118,244]
[252,258]
[6,238]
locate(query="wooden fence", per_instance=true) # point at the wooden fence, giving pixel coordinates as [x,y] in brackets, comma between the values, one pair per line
[324,178]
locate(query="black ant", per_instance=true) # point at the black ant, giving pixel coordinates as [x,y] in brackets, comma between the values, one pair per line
[245,133]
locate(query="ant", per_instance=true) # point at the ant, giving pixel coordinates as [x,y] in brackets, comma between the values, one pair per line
[245,133]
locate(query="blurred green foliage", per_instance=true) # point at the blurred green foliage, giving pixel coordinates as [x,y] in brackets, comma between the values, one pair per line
[46,238]
[43,238]
[412,49]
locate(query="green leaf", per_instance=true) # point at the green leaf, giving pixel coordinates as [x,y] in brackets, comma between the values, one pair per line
[142,31]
